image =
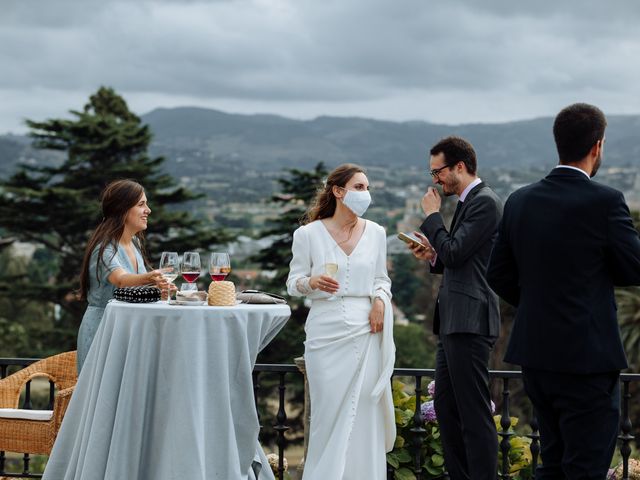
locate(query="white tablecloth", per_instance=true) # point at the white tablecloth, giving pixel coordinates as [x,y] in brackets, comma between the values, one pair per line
[166,393]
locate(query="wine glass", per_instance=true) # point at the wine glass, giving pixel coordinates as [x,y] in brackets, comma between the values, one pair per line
[219,266]
[190,270]
[169,266]
[331,270]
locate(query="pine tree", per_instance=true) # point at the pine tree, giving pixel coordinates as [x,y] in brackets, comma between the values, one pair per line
[57,205]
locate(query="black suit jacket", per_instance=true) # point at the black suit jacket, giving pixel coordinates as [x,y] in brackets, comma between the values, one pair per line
[563,244]
[466,304]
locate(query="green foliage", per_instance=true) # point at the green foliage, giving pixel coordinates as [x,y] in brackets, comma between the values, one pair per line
[401,458]
[25,326]
[14,464]
[414,348]
[520,457]
[635,217]
[628,300]
[406,283]
[298,190]
[56,206]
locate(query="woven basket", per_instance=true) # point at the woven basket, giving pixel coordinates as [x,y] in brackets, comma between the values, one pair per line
[222,294]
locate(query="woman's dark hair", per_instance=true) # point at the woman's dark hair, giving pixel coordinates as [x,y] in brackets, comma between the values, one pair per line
[456,149]
[324,205]
[116,199]
[576,129]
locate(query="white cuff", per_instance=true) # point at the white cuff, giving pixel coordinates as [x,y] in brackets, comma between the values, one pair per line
[302,285]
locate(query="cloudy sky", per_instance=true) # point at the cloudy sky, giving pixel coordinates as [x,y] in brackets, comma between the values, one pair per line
[447,62]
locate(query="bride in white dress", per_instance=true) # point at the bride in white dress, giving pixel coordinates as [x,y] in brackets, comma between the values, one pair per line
[349,350]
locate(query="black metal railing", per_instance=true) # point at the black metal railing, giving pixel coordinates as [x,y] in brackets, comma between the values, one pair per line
[281,417]
[419,433]
[281,373]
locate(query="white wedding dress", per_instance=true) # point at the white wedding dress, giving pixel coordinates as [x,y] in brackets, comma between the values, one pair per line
[348,367]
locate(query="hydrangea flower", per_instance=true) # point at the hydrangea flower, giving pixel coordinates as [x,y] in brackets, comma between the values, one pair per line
[428,411]
[273,462]
[431,388]
[634,470]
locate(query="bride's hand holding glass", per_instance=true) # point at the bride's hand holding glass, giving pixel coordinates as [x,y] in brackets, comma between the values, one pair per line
[324,283]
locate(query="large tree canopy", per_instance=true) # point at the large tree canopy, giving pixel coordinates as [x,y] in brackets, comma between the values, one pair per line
[56,205]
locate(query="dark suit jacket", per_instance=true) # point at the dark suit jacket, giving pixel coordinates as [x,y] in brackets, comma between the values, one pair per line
[563,244]
[466,304]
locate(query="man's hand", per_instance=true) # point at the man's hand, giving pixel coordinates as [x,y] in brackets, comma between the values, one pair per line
[431,201]
[422,253]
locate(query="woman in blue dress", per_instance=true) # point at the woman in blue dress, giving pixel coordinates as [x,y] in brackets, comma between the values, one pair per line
[114,256]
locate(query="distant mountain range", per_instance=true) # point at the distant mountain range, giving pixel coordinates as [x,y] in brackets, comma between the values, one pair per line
[283,142]
[194,139]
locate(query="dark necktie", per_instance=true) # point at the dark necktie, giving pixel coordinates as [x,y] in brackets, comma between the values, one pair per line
[455,214]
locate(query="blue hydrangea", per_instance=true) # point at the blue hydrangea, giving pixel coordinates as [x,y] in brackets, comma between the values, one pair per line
[431,388]
[428,411]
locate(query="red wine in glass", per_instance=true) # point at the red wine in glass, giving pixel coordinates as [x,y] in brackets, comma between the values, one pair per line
[219,274]
[190,276]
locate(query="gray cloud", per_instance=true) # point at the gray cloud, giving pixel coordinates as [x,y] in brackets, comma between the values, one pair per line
[304,57]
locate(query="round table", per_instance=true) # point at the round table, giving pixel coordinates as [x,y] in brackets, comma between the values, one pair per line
[166,393]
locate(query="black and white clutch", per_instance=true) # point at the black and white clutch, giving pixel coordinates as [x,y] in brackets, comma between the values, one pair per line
[141,294]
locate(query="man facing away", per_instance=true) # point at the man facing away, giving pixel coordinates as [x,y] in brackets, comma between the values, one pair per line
[563,244]
[467,317]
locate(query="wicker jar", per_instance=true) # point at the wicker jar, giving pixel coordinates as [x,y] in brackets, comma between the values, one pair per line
[222,294]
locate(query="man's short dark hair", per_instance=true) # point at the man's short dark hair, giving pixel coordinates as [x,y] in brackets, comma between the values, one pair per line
[576,129]
[456,149]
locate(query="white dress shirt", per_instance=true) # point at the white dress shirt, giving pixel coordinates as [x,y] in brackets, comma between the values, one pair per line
[574,168]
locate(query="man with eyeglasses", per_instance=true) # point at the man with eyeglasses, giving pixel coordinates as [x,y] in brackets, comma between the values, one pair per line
[563,245]
[467,315]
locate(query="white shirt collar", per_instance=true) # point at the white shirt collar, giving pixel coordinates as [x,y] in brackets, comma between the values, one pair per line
[466,191]
[573,168]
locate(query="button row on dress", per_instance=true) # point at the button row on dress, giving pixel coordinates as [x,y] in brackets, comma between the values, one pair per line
[346,283]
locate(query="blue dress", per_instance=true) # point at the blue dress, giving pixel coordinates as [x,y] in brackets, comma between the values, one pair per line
[100,293]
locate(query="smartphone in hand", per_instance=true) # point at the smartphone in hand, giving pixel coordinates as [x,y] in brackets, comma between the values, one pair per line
[411,240]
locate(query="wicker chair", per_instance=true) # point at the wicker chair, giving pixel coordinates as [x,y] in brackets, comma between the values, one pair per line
[27,431]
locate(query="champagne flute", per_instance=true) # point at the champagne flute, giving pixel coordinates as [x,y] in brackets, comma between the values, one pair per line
[169,266]
[331,270]
[190,270]
[219,266]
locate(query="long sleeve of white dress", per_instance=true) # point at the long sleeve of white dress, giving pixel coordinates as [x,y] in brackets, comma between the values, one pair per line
[300,266]
[382,282]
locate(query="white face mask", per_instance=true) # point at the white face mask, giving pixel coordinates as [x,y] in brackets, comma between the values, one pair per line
[357,202]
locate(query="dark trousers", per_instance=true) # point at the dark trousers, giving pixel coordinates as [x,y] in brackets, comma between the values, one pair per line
[463,406]
[579,419]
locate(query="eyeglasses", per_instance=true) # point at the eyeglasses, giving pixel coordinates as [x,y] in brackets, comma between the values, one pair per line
[436,171]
